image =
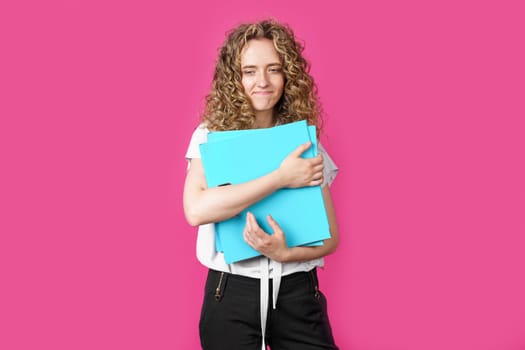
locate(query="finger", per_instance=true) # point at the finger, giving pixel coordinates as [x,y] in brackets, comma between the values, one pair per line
[300,150]
[249,222]
[273,224]
[253,223]
[248,239]
[315,161]
[258,235]
[318,158]
[255,233]
[319,168]
[316,173]
[249,235]
[316,182]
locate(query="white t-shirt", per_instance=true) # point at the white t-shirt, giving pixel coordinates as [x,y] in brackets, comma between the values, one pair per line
[212,259]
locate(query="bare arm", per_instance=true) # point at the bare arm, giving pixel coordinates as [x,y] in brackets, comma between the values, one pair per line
[274,246]
[204,205]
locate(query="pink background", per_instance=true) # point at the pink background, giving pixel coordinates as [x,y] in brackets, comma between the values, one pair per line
[425,117]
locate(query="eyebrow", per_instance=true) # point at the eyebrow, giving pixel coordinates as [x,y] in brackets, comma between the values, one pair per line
[268,65]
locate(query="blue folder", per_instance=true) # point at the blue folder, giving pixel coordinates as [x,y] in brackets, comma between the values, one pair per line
[293,127]
[239,156]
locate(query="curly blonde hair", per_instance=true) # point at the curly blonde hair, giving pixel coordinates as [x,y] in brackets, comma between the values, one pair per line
[228,107]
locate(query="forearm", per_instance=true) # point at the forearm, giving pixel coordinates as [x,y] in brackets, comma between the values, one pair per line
[203,205]
[221,203]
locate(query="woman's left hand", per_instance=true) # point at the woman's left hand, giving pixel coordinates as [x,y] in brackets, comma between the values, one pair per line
[273,246]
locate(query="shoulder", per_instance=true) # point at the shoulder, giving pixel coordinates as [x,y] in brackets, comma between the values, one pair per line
[199,136]
[200,132]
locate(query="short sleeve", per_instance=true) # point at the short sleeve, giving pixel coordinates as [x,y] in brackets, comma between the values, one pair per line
[200,135]
[330,168]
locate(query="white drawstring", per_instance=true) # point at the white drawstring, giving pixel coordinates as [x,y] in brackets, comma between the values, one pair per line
[277,270]
[264,297]
[265,283]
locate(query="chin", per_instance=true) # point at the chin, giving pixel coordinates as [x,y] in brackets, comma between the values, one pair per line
[263,107]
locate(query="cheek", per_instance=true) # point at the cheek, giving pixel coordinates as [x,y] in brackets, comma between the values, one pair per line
[280,84]
[280,88]
[246,83]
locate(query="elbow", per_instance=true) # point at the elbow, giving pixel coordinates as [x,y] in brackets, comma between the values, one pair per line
[193,217]
[333,243]
[192,221]
[332,249]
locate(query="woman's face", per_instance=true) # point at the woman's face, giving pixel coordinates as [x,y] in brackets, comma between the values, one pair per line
[262,75]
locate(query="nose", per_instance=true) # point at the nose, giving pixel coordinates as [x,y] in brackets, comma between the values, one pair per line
[262,80]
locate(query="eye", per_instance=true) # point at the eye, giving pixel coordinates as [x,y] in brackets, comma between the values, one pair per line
[248,72]
[275,70]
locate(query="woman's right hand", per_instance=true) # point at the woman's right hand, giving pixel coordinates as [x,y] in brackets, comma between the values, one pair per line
[301,172]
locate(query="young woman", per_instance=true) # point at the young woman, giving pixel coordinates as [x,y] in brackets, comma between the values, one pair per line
[261,80]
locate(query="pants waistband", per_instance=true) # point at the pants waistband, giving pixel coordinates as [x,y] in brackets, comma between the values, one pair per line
[288,281]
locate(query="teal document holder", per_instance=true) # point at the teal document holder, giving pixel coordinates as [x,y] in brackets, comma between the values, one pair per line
[233,157]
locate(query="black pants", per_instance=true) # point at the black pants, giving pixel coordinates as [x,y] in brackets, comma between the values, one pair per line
[230,317]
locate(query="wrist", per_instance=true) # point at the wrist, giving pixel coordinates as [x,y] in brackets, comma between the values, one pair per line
[285,255]
[279,179]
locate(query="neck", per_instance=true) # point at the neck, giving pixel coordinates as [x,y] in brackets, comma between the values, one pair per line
[264,119]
